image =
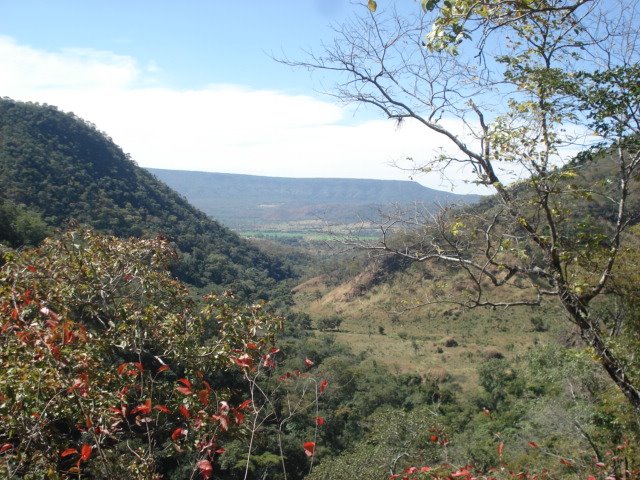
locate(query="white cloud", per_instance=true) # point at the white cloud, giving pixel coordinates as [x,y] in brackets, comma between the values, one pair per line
[219,128]
[26,69]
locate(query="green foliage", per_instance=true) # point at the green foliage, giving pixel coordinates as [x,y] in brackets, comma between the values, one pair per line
[393,438]
[110,369]
[64,169]
[20,226]
[539,323]
[329,323]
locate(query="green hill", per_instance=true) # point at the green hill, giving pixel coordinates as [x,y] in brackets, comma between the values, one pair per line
[62,168]
[247,202]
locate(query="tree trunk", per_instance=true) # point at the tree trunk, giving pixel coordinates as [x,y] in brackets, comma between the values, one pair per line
[590,333]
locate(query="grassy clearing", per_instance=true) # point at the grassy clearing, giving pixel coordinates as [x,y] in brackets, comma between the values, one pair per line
[435,341]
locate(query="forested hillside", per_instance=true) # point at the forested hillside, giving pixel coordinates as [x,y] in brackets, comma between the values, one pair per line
[62,168]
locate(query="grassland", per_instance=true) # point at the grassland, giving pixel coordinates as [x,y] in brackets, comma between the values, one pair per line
[384,323]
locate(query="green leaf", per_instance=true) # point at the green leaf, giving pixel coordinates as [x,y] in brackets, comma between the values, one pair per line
[428,5]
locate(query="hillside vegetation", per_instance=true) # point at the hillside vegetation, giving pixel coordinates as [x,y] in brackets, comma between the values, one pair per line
[62,168]
[254,203]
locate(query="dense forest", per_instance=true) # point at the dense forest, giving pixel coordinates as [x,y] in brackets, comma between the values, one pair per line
[63,169]
[141,339]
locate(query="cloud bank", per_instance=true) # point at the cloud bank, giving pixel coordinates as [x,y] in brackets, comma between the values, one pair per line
[216,128]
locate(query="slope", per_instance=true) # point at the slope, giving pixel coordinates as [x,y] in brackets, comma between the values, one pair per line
[248,201]
[63,168]
[390,313]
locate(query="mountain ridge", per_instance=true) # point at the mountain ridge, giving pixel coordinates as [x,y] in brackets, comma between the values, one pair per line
[241,200]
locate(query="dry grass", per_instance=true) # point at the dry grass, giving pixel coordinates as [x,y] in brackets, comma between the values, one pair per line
[414,341]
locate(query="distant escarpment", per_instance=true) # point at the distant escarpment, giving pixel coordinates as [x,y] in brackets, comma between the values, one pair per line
[247,202]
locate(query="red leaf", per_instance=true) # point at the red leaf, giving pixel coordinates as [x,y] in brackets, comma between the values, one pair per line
[81,384]
[566,462]
[319,421]
[69,451]
[461,473]
[184,390]
[185,382]
[274,350]
[323,385]
[177,433]
[268,362]
[252,346]
[5,447]
[205,468]
[31,268]
[308,362]
[67,334]
[239,417]
[85,452]
[203,396]
[139,366]
[26,296]
[244,361]
[163,368]
[309,448]
[143,408]
[121,368]
[223,419]
[533,445]
[244,404]
[119,411]
[162,408]
[184,411]
[123,392]
[500,448]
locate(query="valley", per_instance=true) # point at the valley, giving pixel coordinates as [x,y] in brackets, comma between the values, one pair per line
[163,325]
[312,209]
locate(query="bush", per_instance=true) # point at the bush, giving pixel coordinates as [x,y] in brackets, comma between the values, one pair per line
[539,323]
[329,323]
[109,368]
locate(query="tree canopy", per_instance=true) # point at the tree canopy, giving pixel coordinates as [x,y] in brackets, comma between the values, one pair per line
[63,169]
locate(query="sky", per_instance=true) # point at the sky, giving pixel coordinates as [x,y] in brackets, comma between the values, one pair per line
[192,85]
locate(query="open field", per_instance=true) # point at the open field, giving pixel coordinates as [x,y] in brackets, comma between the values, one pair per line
[437,341]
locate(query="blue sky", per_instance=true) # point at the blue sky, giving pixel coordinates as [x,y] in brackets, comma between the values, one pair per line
[194,43]
[190,84]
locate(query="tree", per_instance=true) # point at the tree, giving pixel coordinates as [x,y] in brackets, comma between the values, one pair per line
[516,88]
[329,323]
